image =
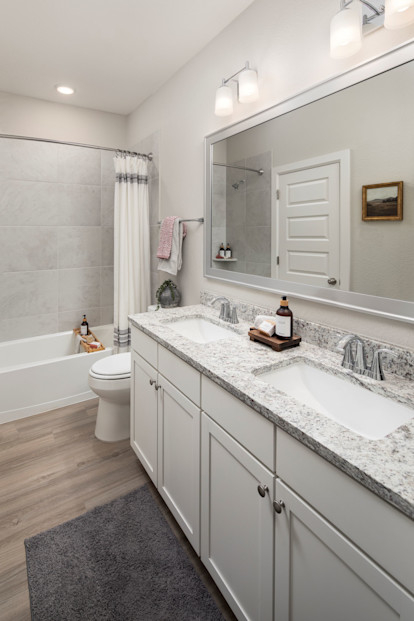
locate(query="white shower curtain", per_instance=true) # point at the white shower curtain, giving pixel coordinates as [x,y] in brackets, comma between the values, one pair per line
[131,244]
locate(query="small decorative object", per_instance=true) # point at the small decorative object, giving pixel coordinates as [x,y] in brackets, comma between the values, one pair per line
[167,295]
[382,201]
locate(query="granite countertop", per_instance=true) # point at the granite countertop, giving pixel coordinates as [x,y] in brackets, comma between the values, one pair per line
[384,466]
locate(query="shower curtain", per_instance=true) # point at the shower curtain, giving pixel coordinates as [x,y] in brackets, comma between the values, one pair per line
[131,244]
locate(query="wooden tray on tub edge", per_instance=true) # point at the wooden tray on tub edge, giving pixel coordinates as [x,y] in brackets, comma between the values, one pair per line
[85,346]
[273,341]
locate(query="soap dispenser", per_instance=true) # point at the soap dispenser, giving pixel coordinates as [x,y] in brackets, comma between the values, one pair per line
[284,320]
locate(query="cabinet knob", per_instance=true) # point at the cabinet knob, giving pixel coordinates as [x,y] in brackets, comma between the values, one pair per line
[157,386]
[262,489]
[278,506]
[152,381]
[332,281]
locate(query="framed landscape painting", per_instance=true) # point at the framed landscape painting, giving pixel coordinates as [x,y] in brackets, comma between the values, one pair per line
[382,201]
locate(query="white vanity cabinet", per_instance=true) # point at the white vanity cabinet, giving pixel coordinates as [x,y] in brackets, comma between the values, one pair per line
[165,429]
[236,502]
[341,552]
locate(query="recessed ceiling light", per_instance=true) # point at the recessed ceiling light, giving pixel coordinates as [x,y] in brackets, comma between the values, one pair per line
[65,90]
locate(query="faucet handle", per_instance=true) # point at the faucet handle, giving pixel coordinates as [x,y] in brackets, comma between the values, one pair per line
[344,347]
[233,316]
[376,371]
[360,364]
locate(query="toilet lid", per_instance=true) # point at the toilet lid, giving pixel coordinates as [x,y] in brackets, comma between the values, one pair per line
[113,366]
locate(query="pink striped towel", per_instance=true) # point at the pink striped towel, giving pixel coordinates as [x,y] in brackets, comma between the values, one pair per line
[166,235]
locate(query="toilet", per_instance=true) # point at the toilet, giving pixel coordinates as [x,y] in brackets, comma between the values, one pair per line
[110,379]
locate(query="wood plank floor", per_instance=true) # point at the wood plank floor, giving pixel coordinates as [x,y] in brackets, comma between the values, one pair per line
[52,469]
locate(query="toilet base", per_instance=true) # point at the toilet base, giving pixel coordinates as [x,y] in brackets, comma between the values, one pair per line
[112,421]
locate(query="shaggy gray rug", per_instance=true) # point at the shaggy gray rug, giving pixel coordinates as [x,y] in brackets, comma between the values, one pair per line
[118,562]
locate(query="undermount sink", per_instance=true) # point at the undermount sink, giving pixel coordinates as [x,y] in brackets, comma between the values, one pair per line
[360,410]
[200,330]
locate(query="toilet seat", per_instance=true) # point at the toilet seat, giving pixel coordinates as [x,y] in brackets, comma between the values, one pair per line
[115,367]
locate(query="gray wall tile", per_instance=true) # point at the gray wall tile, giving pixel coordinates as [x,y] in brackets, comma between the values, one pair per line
[107,286]
[25,327]
[27,248]
[107,168]
[28,203]
[28,160]
[79,246]
[107,315]
[28,293]
[79,288]
[79,205]
[107,206]
[79,165]
[72,319]
[107,256]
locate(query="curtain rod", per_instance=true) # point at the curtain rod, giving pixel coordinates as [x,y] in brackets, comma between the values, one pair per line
[76,144]
[187,220]
[259,172]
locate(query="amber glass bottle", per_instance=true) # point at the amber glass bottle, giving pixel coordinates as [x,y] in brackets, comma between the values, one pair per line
[84,327]
[284,320]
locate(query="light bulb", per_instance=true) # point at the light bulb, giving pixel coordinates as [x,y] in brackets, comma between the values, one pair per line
[398,13]
[224,101]
[346,31]
[248,87]
[65,90]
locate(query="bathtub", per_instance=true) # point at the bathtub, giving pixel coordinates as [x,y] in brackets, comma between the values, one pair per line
[44,372]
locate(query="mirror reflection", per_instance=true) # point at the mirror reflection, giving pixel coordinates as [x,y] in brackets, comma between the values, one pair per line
[287,194]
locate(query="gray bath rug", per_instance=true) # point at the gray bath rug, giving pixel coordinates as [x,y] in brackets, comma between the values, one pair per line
[118,562]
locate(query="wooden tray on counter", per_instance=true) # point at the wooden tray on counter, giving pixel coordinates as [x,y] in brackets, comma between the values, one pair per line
[85,346]
[273,341]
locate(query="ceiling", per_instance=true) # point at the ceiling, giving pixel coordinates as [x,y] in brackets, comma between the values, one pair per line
[115,53]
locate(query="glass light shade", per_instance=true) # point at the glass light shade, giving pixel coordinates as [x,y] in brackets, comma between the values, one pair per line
[346,31]
[248,86]
[398,13]
[65,90]
[224,101]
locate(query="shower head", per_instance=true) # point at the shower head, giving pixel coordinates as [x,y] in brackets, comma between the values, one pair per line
[236,184]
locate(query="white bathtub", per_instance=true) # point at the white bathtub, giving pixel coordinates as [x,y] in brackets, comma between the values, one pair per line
[43,373]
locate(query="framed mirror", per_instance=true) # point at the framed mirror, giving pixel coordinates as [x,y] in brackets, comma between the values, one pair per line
[284,189]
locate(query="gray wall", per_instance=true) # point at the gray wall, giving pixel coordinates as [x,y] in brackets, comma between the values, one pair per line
[56,237]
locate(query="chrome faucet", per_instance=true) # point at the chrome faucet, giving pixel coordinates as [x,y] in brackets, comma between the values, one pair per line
[227,313]
[357,363]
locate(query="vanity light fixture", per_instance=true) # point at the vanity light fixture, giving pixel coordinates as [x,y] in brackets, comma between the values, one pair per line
[65,90]
[248,90]
[349,24]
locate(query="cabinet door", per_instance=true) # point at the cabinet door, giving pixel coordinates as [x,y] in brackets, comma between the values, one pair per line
[144,423]
[179,459]
[319,574]
[236,523]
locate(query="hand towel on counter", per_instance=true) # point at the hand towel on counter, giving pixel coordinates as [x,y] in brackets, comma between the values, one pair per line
[166,236]
[173,264]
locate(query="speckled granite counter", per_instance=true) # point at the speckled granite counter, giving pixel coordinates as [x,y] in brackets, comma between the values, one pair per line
[384,466]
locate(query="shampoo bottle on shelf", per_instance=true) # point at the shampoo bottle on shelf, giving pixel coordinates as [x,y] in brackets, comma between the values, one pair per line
[84,327]
[228,252]
[284,320]
[222,251]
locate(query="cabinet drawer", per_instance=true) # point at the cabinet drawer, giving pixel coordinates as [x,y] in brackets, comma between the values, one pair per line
[180,374]
[144,345]
[383,532]
[253,431]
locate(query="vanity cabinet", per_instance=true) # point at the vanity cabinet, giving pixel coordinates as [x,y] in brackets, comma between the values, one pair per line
[341,552]
[165,429]
[236,503]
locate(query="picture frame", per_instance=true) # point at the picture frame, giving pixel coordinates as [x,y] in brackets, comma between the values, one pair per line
[382,201]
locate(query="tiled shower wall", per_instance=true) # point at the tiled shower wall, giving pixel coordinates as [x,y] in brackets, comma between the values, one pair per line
[242,215]
[56,237]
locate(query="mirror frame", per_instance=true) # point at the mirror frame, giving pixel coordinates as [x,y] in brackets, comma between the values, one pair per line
[400,310]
